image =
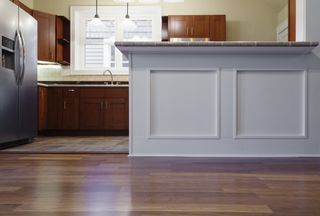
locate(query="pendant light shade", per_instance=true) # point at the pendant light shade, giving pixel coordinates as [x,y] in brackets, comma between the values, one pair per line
[128,24]
[96,21]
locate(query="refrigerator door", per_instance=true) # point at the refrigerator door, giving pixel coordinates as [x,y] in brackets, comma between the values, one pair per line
[28,78]
[9,91]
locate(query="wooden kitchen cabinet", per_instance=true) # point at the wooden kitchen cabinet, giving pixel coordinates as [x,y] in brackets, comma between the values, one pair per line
[189,26]
[70,111]
[53,38]
[218,28]
[54,110]
[83,109]
[108,109]
[91,108]
[62,40]
[202,26]
[42,108]
[46,36]
[116,115]
[179,26]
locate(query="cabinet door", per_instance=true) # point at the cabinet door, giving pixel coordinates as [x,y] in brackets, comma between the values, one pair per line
[91,113]
[116,114]
[42,108]
[46,36]
[70,113]
[180,26]
[55,105]
[200,27]
[218,28]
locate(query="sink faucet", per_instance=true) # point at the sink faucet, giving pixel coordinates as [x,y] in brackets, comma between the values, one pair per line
[110,72]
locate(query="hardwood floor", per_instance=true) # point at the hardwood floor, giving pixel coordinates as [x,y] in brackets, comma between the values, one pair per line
[103,185]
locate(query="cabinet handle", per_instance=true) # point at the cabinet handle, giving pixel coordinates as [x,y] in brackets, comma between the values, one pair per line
[71,90]
[187,30]
[101,105]
[107,104]
[64,105]
[192,30]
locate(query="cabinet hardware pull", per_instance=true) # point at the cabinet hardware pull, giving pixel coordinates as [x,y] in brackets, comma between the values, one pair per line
[64,105]
[101,105]
[192,31]
[187,30]
[71,90]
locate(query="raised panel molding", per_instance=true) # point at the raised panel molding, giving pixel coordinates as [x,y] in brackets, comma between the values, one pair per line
[155,126]
[281,122]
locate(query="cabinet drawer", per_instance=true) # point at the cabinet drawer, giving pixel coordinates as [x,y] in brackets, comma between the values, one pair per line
[91,93]
[70,92]
[117,92]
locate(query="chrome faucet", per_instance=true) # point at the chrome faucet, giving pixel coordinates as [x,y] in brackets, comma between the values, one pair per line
[110,72]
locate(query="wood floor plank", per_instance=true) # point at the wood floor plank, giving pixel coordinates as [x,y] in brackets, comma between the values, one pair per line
[96,185]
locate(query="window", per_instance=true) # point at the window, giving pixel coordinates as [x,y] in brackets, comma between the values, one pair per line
[93,50]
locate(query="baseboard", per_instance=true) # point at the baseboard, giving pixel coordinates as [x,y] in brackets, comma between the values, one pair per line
[84,133]
[233,156]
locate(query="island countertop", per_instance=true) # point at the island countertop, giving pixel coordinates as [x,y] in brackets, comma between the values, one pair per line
[220,47]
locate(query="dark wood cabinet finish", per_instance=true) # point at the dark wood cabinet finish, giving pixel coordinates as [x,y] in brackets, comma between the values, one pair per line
[42,108]
[63,40]
[53,38]
[218,28]
[46,36]
[116,115]
[91,113]
[70,111]
[89,109]
[202,26]
[292,20]
[180,26]
[55,105]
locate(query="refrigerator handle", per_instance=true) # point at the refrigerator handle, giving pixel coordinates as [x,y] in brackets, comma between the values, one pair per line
[23,58]
[17,57]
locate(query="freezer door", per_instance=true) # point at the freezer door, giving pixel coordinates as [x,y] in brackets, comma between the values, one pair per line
[9,100]
[28,78]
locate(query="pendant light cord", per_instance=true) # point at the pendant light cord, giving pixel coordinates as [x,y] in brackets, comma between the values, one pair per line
[128,8]
[96,7]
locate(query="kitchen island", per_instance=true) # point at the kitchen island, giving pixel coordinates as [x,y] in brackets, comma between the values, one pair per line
[223,99]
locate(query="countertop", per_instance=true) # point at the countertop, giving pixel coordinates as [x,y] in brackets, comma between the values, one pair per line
[213,47]
[220,44]
[83,84]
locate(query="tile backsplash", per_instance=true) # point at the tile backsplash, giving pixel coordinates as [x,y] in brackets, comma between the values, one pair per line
[62,73]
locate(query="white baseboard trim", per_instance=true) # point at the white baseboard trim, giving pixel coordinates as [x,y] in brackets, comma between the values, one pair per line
[232,156]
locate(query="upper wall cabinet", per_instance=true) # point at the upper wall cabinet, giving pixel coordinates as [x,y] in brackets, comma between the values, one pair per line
[213,27]
[46,36]
[53,38]
[218,28]
[62,40]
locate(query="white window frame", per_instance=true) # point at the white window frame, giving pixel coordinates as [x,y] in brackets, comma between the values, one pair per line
[79,16]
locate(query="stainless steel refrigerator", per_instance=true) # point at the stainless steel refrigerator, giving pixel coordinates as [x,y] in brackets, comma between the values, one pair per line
[18,74]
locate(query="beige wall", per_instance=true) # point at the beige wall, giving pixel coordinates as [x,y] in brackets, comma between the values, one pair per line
[283,14]
[247,20]
[29,3]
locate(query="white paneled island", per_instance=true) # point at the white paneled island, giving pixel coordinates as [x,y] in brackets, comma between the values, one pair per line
[223,99]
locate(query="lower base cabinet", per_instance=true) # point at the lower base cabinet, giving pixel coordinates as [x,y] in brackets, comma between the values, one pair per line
[83,108]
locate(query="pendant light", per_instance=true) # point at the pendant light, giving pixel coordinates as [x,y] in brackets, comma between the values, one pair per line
[96,21]
[128,24]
